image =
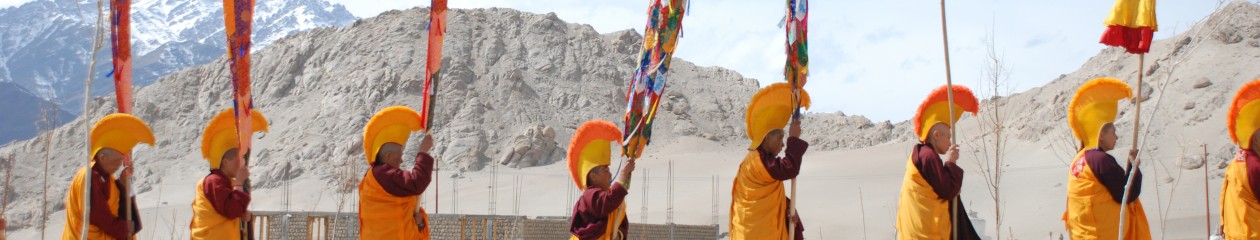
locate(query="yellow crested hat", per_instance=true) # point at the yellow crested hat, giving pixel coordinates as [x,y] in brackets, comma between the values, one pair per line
[220,135]
[590,148]
[121,132]
[1094,105]
[1244,114]
[935,109]
[390,125]
[771,108]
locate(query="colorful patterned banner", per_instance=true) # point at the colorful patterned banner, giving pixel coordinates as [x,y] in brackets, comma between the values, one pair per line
[647,85]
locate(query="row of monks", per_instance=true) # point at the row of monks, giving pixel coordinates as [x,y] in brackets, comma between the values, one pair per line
[759,209]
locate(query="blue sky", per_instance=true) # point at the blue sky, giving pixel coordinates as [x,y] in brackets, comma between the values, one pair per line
[872,58]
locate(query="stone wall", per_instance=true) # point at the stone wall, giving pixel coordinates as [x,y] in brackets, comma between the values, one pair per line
[327,225]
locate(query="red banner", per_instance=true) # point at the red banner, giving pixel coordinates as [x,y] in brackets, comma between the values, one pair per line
[433,60]
[120,42]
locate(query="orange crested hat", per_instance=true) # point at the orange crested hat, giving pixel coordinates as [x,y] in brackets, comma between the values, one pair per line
[771,108]
[220,135]
[935,109]
[1244,114]
[1094,105]
[120,132]
[590,148]
[390,125]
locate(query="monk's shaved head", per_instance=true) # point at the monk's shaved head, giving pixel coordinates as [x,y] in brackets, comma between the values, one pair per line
[107,153]
[229,155]
[109,159]
[773,141]
[390,153]
[1255,141]
[939,137]
[230,164]
[1107,137]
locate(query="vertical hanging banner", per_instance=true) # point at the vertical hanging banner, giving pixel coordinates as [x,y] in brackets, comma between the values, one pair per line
[433,60]
[238,17]
[1131,25]
[120,43]
[796,68]
[432,66]
[647,85]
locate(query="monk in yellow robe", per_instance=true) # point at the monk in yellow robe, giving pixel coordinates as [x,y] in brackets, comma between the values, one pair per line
[111,141]
[388,194]
[925,209]
[600,212]
[1240,209]
[759,205]
[221,204]
[1096,182]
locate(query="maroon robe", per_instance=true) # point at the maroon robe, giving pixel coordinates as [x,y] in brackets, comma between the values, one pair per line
[114,226]
[785,168]
[404,183]
[230,203]
[590,214]
[946,181]
[1112,175]
[1253,171]
[945,178]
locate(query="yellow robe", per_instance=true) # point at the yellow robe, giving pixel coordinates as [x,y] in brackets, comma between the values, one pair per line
[758,205]
[385,216]
[208,223]
[1093,214]
[1240,212]
[921,214]
[74,208]
[612,229]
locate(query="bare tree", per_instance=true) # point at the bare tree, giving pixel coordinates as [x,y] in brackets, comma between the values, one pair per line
[48,120]
[991,148]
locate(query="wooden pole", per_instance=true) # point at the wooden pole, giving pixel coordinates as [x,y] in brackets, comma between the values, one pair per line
[1137,117]
[792,222]
[797,84]
[621,213]
[862,204]
[126,196]
[87,97]
[949,86]
[247,227]
[1207,209]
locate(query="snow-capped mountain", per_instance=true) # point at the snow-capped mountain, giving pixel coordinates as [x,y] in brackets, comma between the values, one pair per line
[36,115]
[45,45]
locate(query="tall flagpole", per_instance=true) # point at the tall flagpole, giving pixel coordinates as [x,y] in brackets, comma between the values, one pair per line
[87,103]
[120,36]
[949,82]
[796,70]
[238,18]
[433,65]
[1137,117]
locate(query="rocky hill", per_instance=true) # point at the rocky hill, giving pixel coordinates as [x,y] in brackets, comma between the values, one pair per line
[514,88]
